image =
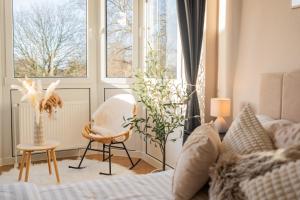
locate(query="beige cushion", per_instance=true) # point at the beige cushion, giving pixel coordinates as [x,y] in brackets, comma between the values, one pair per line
[279,95]
[290,96]
[199,152]
[270,95]
[282,183]
[284,133]
[246,134]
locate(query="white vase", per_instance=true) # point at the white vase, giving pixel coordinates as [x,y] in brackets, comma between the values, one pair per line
[38,134]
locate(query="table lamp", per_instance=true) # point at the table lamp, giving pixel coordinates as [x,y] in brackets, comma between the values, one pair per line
[220,107]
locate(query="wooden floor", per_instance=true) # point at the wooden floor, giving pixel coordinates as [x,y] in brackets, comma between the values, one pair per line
[141,168]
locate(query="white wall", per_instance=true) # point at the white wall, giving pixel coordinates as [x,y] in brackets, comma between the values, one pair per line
[262,36]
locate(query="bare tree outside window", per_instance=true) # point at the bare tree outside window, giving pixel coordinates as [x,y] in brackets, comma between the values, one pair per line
[119,38]
[50,38]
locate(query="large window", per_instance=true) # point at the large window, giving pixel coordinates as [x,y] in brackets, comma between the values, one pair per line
[161,36]
[161,19]
[49,38]
[119,38]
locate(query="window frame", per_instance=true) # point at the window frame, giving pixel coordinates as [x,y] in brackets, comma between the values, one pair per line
[180,63]
[136,29]
[139,45]
[133,38]
[91,26]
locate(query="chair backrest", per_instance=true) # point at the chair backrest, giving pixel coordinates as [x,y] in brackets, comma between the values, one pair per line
[111,113]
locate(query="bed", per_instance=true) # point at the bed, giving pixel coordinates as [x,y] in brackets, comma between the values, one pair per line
[279,99]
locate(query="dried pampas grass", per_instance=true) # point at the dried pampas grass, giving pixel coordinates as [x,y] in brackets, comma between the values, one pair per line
[51,103]
[33,93]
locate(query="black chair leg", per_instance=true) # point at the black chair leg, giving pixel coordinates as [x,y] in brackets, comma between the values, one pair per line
[109,150]
[103,153]
[105,158]
[109,161]
[87,148]
[132,164]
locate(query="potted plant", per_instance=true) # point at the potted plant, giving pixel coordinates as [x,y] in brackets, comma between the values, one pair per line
[164,99]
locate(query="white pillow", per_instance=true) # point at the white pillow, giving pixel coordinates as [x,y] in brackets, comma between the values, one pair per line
[284,132]
[264,118]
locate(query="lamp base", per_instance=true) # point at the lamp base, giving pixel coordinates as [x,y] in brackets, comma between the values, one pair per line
[221,125]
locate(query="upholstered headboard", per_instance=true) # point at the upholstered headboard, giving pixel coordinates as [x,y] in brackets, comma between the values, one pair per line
[280,95]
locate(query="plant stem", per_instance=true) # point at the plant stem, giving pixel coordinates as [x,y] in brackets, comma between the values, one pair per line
[164,156]
[164,160]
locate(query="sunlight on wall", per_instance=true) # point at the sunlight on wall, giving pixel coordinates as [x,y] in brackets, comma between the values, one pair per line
[222,15]
[223,32]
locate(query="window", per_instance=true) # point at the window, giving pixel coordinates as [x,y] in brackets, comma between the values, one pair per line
[161,19]
[119,38]
[49,38]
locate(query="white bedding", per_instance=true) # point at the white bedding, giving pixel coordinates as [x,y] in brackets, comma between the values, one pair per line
[155,186]
[136,187]
[19,191]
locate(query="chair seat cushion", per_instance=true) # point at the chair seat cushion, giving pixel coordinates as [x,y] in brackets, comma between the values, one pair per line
[100,130]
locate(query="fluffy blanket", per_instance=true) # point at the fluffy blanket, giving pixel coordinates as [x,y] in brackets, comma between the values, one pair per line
[231,169]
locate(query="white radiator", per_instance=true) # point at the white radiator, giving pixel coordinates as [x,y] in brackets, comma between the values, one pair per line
[64,126]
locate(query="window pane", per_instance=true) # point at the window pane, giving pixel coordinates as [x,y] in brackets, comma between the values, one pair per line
[119,19]
[50,38]
[161,20]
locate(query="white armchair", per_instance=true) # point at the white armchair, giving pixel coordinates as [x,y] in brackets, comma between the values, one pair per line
[106,127]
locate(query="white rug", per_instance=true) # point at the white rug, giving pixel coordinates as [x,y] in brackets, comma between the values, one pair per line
[39,172]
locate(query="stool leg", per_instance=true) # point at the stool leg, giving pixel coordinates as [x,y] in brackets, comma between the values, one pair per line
[55,165]
[22,165]
[28,160]
[49,162]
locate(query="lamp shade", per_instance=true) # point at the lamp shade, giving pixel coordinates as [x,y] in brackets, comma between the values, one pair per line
[220,107]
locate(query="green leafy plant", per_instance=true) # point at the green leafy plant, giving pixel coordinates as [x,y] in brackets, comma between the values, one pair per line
[164,100]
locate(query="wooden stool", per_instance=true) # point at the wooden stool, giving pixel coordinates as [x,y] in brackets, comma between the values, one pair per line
[27,150]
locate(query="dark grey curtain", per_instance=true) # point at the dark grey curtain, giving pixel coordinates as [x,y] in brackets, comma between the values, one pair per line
[191,14]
